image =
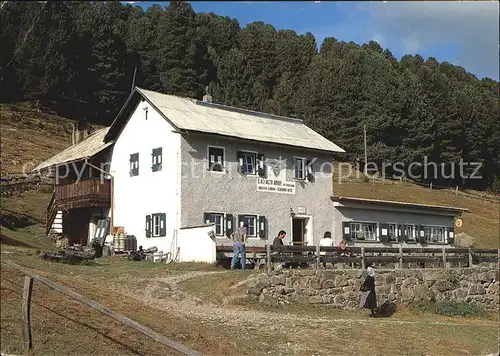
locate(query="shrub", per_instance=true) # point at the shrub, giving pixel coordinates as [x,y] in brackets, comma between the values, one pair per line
[449,308]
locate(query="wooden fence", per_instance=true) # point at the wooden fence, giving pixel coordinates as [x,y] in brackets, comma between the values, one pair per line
[365,256]
[26,312]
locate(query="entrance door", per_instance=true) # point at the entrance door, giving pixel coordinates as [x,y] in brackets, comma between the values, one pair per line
[299,231]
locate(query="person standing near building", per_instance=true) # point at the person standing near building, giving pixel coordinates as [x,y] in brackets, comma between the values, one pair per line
[368,298]
[326,241]
[239,241]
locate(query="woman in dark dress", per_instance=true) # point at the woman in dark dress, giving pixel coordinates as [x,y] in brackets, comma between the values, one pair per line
[369,298]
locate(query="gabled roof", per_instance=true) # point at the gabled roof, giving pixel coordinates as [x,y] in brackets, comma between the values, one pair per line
[451,209]
[187,114]
[84,149]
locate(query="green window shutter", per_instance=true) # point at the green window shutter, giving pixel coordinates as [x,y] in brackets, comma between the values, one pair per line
[451,235]
[346,230]
[156,159]
[134,164]
[401,233]
[206,218]
[309,171]
[261,167]
[239,160]
[148,226]
[229,224]
[384,232]
[262,227]
[163,224]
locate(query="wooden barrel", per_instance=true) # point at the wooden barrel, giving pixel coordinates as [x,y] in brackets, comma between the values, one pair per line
[133,243]
[115,242]
[121,242]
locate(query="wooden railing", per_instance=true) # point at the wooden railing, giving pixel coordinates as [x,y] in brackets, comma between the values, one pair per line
[26,312]
[364,256]
[90,188]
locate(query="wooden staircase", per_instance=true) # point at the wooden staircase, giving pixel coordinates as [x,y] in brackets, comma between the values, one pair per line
[84,194]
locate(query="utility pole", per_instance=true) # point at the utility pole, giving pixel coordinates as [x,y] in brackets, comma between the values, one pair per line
[133,80]
[366,156]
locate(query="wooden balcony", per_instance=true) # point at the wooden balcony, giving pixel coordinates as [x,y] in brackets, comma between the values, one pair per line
[86,193]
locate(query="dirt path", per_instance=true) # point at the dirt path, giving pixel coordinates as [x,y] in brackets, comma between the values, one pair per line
[164,293]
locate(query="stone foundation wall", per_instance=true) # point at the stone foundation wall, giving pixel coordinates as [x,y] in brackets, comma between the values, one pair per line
[341,287]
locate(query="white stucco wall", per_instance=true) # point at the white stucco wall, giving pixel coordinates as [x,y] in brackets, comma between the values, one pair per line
[149,192]
[195,245]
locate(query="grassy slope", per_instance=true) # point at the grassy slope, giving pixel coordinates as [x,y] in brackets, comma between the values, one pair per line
[67,326]
[30,136]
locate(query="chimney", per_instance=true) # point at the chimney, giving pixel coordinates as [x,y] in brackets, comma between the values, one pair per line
[79,133]
[207,98]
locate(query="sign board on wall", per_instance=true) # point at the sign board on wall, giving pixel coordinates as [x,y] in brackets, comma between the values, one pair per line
[275,186]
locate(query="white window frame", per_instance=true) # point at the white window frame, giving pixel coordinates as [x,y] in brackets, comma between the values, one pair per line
[362,224]
[255,218]
[395,231]
[434,230]
[223,159]
[155,224]
[304,168]
[222,222]
[413,230]
[254,155]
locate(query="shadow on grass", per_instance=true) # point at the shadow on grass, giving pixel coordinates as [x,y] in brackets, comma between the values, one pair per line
[386,310]
[18,220]
[102,333]
[6,240]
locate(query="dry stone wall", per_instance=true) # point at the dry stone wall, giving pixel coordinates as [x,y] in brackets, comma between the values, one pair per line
[341,287]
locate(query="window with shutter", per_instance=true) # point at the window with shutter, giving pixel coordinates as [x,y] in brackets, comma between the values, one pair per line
[215,159]
[262,227]
[157,159]
[148,226]
[251,222]
[299,168]
[134,164]
[392,232]
[155,225]
[451,235]
[410,232]
[218,220]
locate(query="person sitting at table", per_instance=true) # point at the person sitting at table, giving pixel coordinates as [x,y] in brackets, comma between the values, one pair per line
[343,248]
